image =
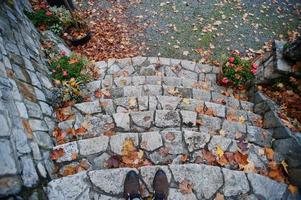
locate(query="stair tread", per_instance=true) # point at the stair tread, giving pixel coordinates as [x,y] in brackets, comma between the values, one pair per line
[205,181]
[142,121]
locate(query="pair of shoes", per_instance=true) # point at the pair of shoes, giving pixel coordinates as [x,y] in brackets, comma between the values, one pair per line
[160,186]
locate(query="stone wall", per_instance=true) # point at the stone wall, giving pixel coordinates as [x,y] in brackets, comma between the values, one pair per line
[26,118]
[286,144]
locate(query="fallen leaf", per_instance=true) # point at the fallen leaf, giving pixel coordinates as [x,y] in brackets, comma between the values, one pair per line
[69,170]
[113,161]
[219,151]
[293,189]
[132,103]
[241,120]
[184,158]
[185,187]
[269,153]
[186,101]
[57,153]
[170,136]
[199,109]
[285,166]
[222,161]
[249,168]
[219,196]
[109,133]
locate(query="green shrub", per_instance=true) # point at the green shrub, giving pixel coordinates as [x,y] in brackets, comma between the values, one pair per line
[43,17]
[66,67]
[237,71]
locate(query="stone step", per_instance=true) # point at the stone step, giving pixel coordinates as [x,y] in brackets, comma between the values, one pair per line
[206,182]
[143,66]
[181,92]
[152,103]
[162,147]
[141,121]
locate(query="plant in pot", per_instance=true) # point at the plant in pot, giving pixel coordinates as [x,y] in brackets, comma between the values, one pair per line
[78,32]
[60,3]
[236,71]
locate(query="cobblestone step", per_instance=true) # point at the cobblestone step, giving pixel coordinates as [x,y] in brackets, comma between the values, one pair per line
[206,182]
[151,103]
[181,92]
[151,66]
[141,121]
[160,147]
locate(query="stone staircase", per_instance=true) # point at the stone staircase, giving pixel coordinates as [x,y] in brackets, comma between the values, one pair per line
[176,115]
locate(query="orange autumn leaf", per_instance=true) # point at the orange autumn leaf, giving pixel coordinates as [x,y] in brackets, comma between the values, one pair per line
[69,170]
[222,161]
[70,131]
[293,189]
[57,153]
[249,168]
[109,133]
[240,158]
[80,131]
[63,114]
[184,158]
[98,94]
[199,109]
[59,135]
[74,155]
[269,153]
[73,60]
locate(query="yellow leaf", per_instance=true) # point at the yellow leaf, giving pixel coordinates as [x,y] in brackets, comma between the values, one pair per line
[241,119]
[128,147]
[219,151]
[122,82]
[140,154]
[173,91]
[285,165]
[132,103]
[186,101]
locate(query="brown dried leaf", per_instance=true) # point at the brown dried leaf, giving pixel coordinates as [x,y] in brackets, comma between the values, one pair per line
[185,187]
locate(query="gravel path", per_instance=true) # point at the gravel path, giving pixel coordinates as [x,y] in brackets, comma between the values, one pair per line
[176,28]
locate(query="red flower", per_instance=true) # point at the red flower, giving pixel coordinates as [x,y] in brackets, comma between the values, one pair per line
[235,52]
[231,65]
[253,71]
[48,13]
[65,73]
[225,80]
[63,53]
[254,66]
[231,59]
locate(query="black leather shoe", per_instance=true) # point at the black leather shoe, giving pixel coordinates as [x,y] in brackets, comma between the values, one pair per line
[160,186]
[131,186]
